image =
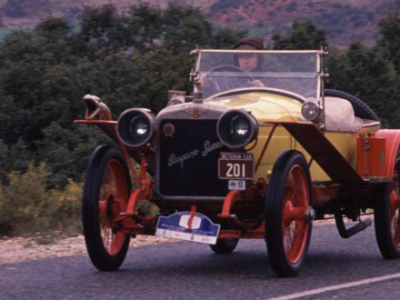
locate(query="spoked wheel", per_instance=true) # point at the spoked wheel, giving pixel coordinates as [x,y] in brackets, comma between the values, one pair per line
[288,229]
[387,221]
[105,196]
[224,246]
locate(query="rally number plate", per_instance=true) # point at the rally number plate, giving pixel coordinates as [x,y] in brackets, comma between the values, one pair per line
[236,166]
[202,230]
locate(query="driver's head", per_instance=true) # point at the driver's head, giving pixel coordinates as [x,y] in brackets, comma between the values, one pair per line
[249,62]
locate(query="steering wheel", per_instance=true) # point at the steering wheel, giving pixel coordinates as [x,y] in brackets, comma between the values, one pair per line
[229,83]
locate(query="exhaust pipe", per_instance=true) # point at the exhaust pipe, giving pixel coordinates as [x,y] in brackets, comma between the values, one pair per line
[346,233]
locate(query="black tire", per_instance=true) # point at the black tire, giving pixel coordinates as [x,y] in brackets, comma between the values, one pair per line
[361,109]
[387,227]
[106,164]
[225,246]
[289,188]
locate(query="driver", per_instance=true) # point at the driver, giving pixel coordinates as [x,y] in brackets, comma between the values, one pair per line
[247,61]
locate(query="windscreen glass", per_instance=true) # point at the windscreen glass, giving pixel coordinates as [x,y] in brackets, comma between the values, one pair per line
[221,71]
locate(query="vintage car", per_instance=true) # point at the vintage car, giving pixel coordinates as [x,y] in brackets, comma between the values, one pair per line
[237,161]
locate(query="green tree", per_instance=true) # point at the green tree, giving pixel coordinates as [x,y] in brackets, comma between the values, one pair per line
[145,26]
[4,162]
[367,74]
[185,28]
[390,41]
[102,29]
[305,36]
[128,60]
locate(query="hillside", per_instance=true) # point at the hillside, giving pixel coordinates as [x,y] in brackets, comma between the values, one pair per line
[343,20]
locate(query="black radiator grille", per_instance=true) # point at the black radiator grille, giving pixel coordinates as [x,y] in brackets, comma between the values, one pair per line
[186,167]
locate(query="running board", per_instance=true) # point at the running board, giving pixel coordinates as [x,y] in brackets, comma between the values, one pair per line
[346,233]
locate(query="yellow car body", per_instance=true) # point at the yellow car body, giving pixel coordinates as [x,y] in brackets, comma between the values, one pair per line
[267,107]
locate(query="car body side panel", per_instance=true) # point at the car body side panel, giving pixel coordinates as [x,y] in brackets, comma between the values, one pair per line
[334,163]
[344,142]
[392,147]
[280,141]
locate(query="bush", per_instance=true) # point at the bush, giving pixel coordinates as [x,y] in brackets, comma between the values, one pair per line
[68,211]
[27,207]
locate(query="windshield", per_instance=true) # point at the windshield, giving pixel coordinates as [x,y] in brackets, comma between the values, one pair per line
[222,70]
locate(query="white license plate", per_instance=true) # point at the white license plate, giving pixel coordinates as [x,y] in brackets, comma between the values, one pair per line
[177,226]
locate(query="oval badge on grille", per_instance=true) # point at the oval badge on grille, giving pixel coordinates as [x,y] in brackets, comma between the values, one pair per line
[169,130]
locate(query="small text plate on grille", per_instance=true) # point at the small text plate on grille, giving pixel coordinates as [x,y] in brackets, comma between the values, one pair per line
[236,166]
[236,185]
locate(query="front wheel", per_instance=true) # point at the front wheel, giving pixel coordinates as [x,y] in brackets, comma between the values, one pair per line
[105,195]
[288,229]
[224,246]
[387,220]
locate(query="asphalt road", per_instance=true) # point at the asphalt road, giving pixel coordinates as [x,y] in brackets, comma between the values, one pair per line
[186,270]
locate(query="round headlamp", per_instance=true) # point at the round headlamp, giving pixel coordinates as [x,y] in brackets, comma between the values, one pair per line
[135,127]
[237,128]
[310,111]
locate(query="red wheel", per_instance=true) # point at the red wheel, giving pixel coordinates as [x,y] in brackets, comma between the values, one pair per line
[114,195]
[106,195]
[387,221]
[288,229]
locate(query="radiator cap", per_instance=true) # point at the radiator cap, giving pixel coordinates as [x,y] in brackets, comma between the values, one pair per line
[198,97]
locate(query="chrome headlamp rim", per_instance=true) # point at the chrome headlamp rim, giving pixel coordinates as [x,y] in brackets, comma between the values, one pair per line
[133,113]
[306,108]
[228,116]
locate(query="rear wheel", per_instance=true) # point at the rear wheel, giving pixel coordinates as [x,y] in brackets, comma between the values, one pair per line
[288,229]
[224,246]
[387,220]
[106,195]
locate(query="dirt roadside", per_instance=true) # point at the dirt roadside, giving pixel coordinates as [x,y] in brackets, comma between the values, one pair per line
[22,249]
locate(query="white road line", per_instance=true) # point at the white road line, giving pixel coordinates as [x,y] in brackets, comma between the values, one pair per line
[336,287]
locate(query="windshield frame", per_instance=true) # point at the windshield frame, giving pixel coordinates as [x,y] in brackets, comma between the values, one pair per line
[320,99]
[318,66]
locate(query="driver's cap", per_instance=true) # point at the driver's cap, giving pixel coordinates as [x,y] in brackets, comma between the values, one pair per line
[248,43]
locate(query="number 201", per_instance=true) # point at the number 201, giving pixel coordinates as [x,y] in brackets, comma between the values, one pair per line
[236,170]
